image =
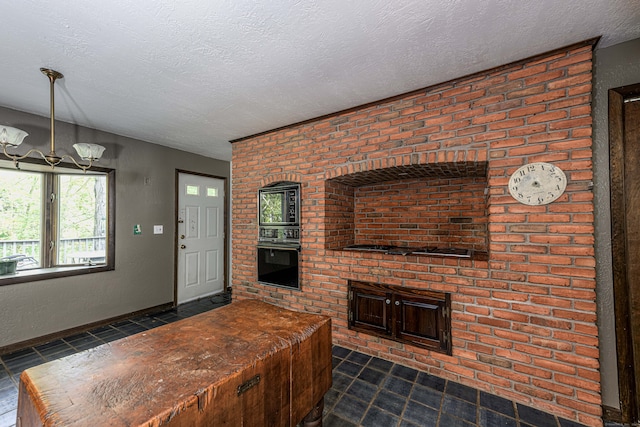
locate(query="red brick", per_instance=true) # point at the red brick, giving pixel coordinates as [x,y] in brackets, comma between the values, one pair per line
[527,71]
[531,304]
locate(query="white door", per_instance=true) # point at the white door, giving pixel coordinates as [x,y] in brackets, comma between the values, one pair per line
[201,217]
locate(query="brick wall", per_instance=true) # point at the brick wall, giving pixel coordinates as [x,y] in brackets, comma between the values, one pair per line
[523,322]
[422,212]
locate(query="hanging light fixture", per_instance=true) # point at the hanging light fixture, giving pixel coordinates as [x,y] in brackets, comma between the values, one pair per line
[13,137]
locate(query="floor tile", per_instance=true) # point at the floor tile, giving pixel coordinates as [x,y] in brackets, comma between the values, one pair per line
[51,347]
[340,352]
[9,401]
[462,391]
[390,402]
[398,386]
[427,396]
[333,421]
[340,381]
[362,390]
[116,335]
[149,322]
[405,373]
[431,381]
[489,418]
[460,408]
[18,354]
[330,398]
[377,418]
[358,358]
[349,368]
[5,383]
[350,409]
[8,419]
[497,403]
[448,420]
[372,376]
[380,364]
[131,328]
[59,355]
[535,417]
[420,414]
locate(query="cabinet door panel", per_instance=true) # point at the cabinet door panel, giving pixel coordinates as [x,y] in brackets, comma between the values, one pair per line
[420,321]
[370,310]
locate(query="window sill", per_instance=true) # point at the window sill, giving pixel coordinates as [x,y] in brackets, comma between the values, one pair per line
[51,273]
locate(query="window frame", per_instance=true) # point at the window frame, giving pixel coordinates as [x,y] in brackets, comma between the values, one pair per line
[46,273]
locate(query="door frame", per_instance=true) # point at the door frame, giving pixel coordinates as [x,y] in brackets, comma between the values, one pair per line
[625,322]
[176,240]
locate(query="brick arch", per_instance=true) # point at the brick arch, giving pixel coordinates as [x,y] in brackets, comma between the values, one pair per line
[280,177]
[472,161]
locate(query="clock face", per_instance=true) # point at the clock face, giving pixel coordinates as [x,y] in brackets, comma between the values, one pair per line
[537,183]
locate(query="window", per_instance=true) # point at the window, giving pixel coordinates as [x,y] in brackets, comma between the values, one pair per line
[55,222]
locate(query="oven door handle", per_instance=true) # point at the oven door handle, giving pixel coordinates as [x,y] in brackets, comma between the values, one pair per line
[280,247]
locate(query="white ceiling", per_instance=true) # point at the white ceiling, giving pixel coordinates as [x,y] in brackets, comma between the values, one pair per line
[194,74]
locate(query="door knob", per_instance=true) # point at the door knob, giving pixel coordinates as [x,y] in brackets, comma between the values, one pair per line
[183,247]
[182,236]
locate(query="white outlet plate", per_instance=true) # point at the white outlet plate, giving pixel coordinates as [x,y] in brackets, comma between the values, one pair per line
[158,229]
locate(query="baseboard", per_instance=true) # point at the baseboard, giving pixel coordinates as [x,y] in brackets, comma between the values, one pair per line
[78,329]
[611,414]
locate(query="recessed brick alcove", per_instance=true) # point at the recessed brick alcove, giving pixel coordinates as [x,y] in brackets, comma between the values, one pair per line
[432,166]
[437,204]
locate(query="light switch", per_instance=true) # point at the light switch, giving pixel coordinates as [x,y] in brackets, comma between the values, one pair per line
[158,229]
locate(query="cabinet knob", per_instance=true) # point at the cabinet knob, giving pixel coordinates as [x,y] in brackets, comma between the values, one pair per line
[388,301]
[183,247]
[397,302]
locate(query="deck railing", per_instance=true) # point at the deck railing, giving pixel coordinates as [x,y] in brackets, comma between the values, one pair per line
[68,248]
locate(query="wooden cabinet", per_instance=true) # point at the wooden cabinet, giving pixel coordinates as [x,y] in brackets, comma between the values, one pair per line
[414,316]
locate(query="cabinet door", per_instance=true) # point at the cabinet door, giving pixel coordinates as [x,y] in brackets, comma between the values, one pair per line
[370,309]
[421,321]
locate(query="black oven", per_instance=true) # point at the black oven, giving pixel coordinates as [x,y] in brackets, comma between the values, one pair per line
[278,265]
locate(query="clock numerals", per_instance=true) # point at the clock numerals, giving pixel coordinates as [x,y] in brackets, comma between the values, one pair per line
[537,183]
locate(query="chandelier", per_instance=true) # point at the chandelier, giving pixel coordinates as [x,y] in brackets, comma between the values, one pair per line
[13,137]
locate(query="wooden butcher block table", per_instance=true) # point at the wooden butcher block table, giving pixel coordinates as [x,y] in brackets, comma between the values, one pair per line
[245,364]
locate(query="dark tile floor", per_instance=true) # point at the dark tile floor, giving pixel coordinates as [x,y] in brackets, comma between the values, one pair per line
[367,391]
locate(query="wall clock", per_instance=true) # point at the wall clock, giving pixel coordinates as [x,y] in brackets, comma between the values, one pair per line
[537,183]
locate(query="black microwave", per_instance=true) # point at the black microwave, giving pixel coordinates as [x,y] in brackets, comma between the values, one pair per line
[279,205]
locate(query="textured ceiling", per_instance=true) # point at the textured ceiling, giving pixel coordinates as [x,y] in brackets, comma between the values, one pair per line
[194,74]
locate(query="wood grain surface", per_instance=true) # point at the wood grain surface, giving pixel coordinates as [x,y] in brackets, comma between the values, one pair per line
[188,373]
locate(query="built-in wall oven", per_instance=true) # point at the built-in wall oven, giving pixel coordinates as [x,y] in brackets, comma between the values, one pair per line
[279,235]
[278,265]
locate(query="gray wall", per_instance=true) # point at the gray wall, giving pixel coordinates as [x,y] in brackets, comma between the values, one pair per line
[615,66]
[144,265]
